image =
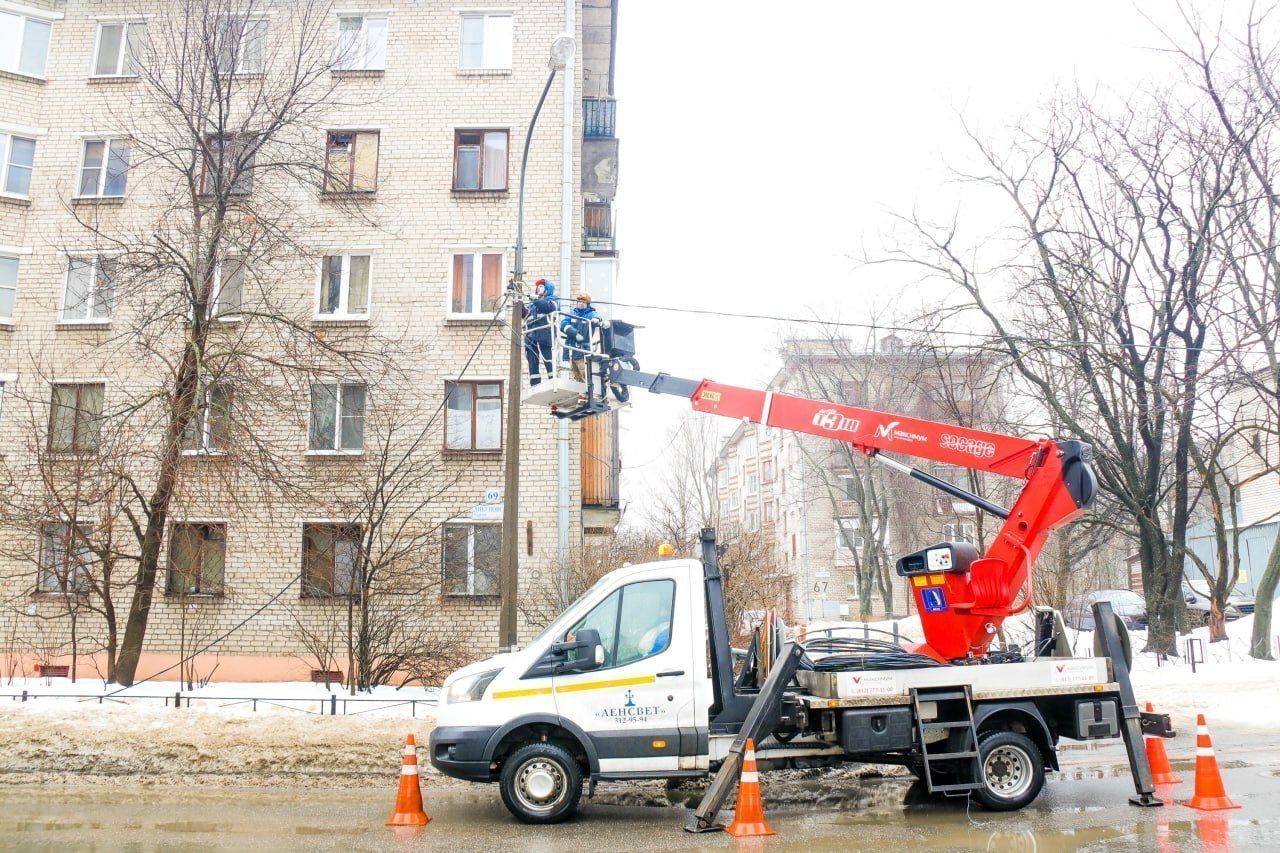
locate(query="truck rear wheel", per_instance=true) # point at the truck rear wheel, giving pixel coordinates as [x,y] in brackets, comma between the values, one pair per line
[541,783]
[1012,771]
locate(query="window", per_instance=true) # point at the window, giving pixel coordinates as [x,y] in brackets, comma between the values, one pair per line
[75,417]
[228,165]
[735,500]
[64,558]
[17,160]
[344,286]
[241,45]
[480,160]
[8,287]
[228,294]
[362,43]
[24,44]
[474,420]
[750,446]
[771,511]
[209,430]
[471,558]
[753,521]
[477,283]
[722,477]
[104,168]
[849,534]
[634,622]
[767,471]
[752,483]
[337,417]
[962,531]
[486,41]
[120,46]
[197,558]
[850,487]
[733,469]
[351,161]
[90,290]
[330,555]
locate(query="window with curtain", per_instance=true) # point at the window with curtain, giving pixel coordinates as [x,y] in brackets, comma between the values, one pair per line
[474,416]
[470,558]
[104,168]
[119,47]
[197,558]
[351,161]
[344,286]
[477,282]
[480,160]
[362,43]
[90,290]
[337,417]
[75,417]
[330,559]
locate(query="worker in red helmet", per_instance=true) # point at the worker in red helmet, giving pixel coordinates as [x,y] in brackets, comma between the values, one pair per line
[575,328]
[539,319]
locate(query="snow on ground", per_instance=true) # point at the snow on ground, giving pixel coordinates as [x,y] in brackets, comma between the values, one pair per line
[226,697]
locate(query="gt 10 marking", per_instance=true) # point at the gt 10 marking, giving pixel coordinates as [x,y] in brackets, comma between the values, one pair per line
[832,421]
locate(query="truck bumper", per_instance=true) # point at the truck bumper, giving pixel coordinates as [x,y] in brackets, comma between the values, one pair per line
[458,751]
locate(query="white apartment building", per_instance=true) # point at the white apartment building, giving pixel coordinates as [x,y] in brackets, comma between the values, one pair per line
[354,311]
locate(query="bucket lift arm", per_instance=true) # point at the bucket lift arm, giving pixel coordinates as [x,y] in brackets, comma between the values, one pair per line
[961,602]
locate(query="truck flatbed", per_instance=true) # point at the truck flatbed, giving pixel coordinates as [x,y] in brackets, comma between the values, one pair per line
[1045,677]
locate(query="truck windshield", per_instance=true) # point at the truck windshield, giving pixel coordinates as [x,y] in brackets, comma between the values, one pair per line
[560,624]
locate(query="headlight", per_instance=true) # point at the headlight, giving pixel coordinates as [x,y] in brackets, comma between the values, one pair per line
[471,687]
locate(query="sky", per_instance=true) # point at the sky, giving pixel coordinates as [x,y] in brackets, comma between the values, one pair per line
[765,148]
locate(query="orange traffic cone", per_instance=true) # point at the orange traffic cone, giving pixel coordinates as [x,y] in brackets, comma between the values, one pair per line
[748,817]
[409,799]
[1209,795]
[1161,771]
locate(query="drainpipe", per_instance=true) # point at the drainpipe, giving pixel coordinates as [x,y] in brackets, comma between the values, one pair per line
[566,278]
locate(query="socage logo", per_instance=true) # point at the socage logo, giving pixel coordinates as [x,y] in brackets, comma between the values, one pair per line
[972,446]
[832,421]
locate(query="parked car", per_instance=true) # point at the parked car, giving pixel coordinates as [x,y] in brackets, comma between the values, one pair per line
[1127,604]
[1197,598]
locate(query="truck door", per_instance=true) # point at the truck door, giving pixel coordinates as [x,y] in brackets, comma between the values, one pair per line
[634,706]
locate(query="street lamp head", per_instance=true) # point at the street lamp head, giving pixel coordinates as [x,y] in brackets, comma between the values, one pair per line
[562,51]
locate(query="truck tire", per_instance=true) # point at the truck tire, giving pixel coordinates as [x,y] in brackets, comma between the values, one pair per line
[541,783]
[1012,771]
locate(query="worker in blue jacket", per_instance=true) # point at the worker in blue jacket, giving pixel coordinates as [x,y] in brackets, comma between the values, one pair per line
[538,320]
[575,329]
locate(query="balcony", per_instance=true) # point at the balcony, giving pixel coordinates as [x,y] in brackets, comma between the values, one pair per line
[598,116]
[597,227]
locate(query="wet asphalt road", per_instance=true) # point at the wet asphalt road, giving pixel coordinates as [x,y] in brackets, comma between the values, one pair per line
[1085,807]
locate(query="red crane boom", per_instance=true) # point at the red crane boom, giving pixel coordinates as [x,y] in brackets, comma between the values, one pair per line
[961,601]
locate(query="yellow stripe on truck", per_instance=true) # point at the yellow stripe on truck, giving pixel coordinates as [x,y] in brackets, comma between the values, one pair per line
[575,688]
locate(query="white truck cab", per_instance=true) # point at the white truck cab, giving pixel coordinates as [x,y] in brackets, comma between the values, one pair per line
[617,684]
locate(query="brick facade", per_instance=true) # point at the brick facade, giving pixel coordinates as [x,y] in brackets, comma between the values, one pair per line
[410,229]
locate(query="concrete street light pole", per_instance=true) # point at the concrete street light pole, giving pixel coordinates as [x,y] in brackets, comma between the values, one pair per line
[562,50]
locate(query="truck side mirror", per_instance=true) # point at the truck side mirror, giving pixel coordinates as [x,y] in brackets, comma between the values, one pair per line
[588,652]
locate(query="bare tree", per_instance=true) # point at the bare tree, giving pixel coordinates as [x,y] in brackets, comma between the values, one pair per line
[225,141]
[1113,257]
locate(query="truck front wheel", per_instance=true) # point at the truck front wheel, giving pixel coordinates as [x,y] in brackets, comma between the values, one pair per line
[1012,771]
[541,783]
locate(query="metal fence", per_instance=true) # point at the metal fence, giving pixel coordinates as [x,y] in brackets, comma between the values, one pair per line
[331,705]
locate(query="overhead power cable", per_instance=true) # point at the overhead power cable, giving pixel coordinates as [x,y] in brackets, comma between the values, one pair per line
[1023,340]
